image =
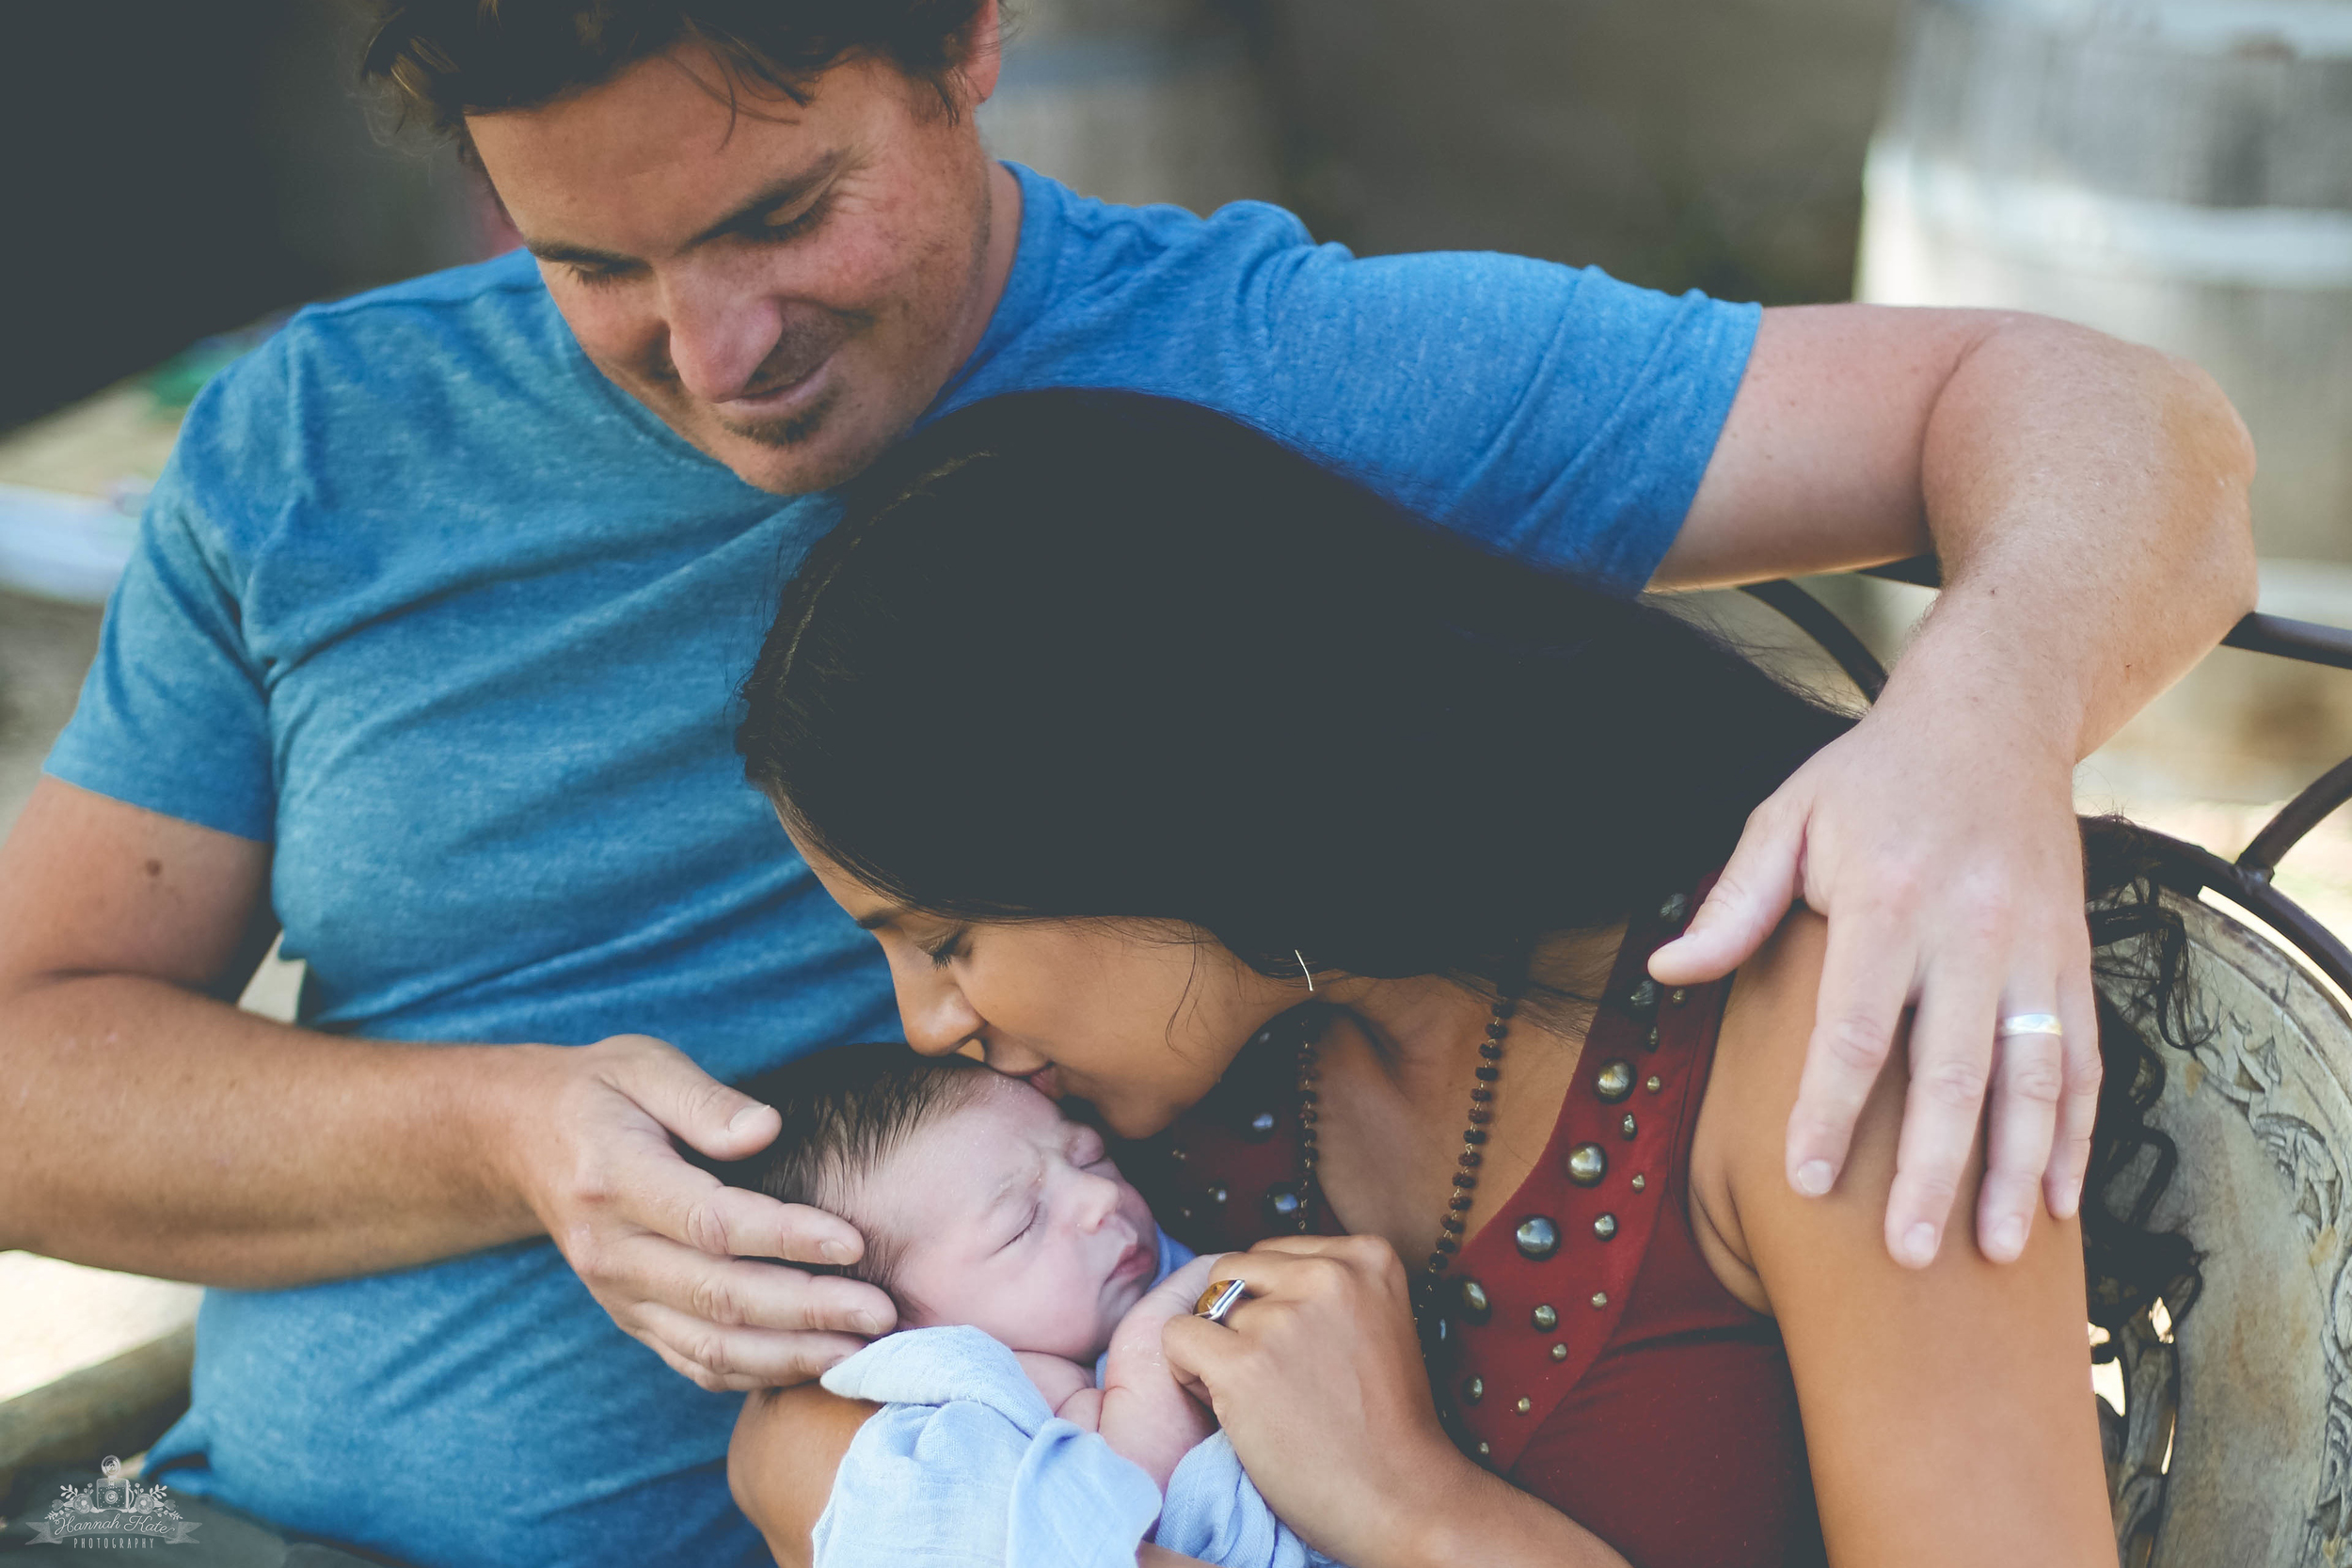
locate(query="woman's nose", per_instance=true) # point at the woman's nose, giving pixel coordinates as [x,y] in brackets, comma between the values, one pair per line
[936,1017]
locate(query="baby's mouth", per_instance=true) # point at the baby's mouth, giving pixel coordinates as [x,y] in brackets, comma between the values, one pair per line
[1136,1261]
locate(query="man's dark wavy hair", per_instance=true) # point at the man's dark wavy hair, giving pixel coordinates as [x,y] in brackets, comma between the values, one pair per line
[1080,655]
[445,59]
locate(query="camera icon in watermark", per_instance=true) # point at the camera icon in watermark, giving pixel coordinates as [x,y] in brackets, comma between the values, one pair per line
[114,1511]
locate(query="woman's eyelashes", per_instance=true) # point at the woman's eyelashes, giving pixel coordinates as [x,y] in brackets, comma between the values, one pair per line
[947,947]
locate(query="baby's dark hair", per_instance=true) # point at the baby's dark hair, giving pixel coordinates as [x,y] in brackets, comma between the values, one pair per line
[844,1111]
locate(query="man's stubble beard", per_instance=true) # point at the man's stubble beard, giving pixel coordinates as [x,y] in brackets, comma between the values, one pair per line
[797,432]
[793,430]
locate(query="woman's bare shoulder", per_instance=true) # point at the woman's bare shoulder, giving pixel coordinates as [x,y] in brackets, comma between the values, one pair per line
[1743,1116]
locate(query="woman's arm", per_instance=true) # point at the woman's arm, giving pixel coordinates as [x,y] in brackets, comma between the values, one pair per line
[788,1447]
[1317,1378]
[1948,1411]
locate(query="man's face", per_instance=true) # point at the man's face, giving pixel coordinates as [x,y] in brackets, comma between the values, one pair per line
[785,285]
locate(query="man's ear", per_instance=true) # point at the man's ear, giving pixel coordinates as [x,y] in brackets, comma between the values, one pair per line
[980,56]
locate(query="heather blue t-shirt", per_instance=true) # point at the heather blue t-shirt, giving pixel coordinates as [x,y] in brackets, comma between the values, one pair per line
[429,606]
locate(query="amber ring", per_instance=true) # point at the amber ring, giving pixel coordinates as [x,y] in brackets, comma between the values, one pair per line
[1219,1299]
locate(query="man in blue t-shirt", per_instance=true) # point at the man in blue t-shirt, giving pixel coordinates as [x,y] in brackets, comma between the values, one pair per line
[427,650]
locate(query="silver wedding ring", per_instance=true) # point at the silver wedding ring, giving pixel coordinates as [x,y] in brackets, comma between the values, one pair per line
[2031,1023]
[1219,1299]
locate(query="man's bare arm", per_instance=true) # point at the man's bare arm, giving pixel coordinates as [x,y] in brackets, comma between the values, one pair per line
[151,1128]
[2087,500]
[148,1126]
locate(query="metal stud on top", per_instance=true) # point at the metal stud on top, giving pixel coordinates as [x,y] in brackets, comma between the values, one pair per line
[1587,1165]
[1537,1238]
[1615,1081]
[1547,1319]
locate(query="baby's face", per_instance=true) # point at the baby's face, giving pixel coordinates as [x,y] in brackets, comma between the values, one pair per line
[1017,1222]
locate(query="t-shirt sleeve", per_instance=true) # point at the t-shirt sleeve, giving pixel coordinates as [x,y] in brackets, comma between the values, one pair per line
[1550,412]
[173,716]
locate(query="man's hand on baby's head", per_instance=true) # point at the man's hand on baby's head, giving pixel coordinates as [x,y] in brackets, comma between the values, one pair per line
[674,1255]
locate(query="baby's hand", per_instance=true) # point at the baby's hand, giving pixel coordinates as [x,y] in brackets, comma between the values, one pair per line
[1069,1388]
[1145,1416]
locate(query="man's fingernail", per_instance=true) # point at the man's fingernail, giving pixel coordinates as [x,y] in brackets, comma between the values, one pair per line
[2066,1205]
[2009,1238]
[1814,1178]
[744,1117]
[837,1252]
[867,1323]
[1919,1245]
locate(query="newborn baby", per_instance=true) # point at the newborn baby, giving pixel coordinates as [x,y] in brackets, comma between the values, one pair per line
[983,1206]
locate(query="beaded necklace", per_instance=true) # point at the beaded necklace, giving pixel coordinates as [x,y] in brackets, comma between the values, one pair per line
[1450,1223]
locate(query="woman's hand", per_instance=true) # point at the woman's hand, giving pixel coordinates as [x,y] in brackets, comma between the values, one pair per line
[1317,1378]
[670,1251]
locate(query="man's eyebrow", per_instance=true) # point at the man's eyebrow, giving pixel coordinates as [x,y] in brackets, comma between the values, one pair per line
[766,199]
[875,920]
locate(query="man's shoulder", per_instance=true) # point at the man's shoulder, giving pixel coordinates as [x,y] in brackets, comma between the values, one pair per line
[455,323]
[506,285]
[387,384]
[1095,256]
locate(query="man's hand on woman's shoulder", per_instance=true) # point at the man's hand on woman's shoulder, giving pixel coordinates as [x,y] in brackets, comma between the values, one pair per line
[1945,852]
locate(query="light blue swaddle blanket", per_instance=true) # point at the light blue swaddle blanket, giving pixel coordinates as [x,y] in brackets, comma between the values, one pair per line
[965,1466]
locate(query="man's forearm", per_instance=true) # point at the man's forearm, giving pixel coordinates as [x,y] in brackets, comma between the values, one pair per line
[148,1129]
[2086,499]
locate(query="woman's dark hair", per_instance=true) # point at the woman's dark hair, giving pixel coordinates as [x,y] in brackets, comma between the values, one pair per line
[1087,654]
[1093,654]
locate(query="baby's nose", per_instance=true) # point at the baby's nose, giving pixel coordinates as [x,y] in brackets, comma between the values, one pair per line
[1099,1201]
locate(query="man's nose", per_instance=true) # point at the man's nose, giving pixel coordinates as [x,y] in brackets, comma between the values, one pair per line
[720,332]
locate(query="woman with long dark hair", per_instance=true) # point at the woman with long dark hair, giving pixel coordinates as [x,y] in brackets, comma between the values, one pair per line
[1323,856]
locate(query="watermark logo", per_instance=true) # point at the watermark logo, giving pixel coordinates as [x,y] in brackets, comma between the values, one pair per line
[113,1511]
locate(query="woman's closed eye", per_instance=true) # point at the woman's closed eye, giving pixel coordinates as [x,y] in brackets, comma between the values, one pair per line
[947,947]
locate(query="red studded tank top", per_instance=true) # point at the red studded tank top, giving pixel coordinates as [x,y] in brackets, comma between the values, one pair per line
[1588,1353]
